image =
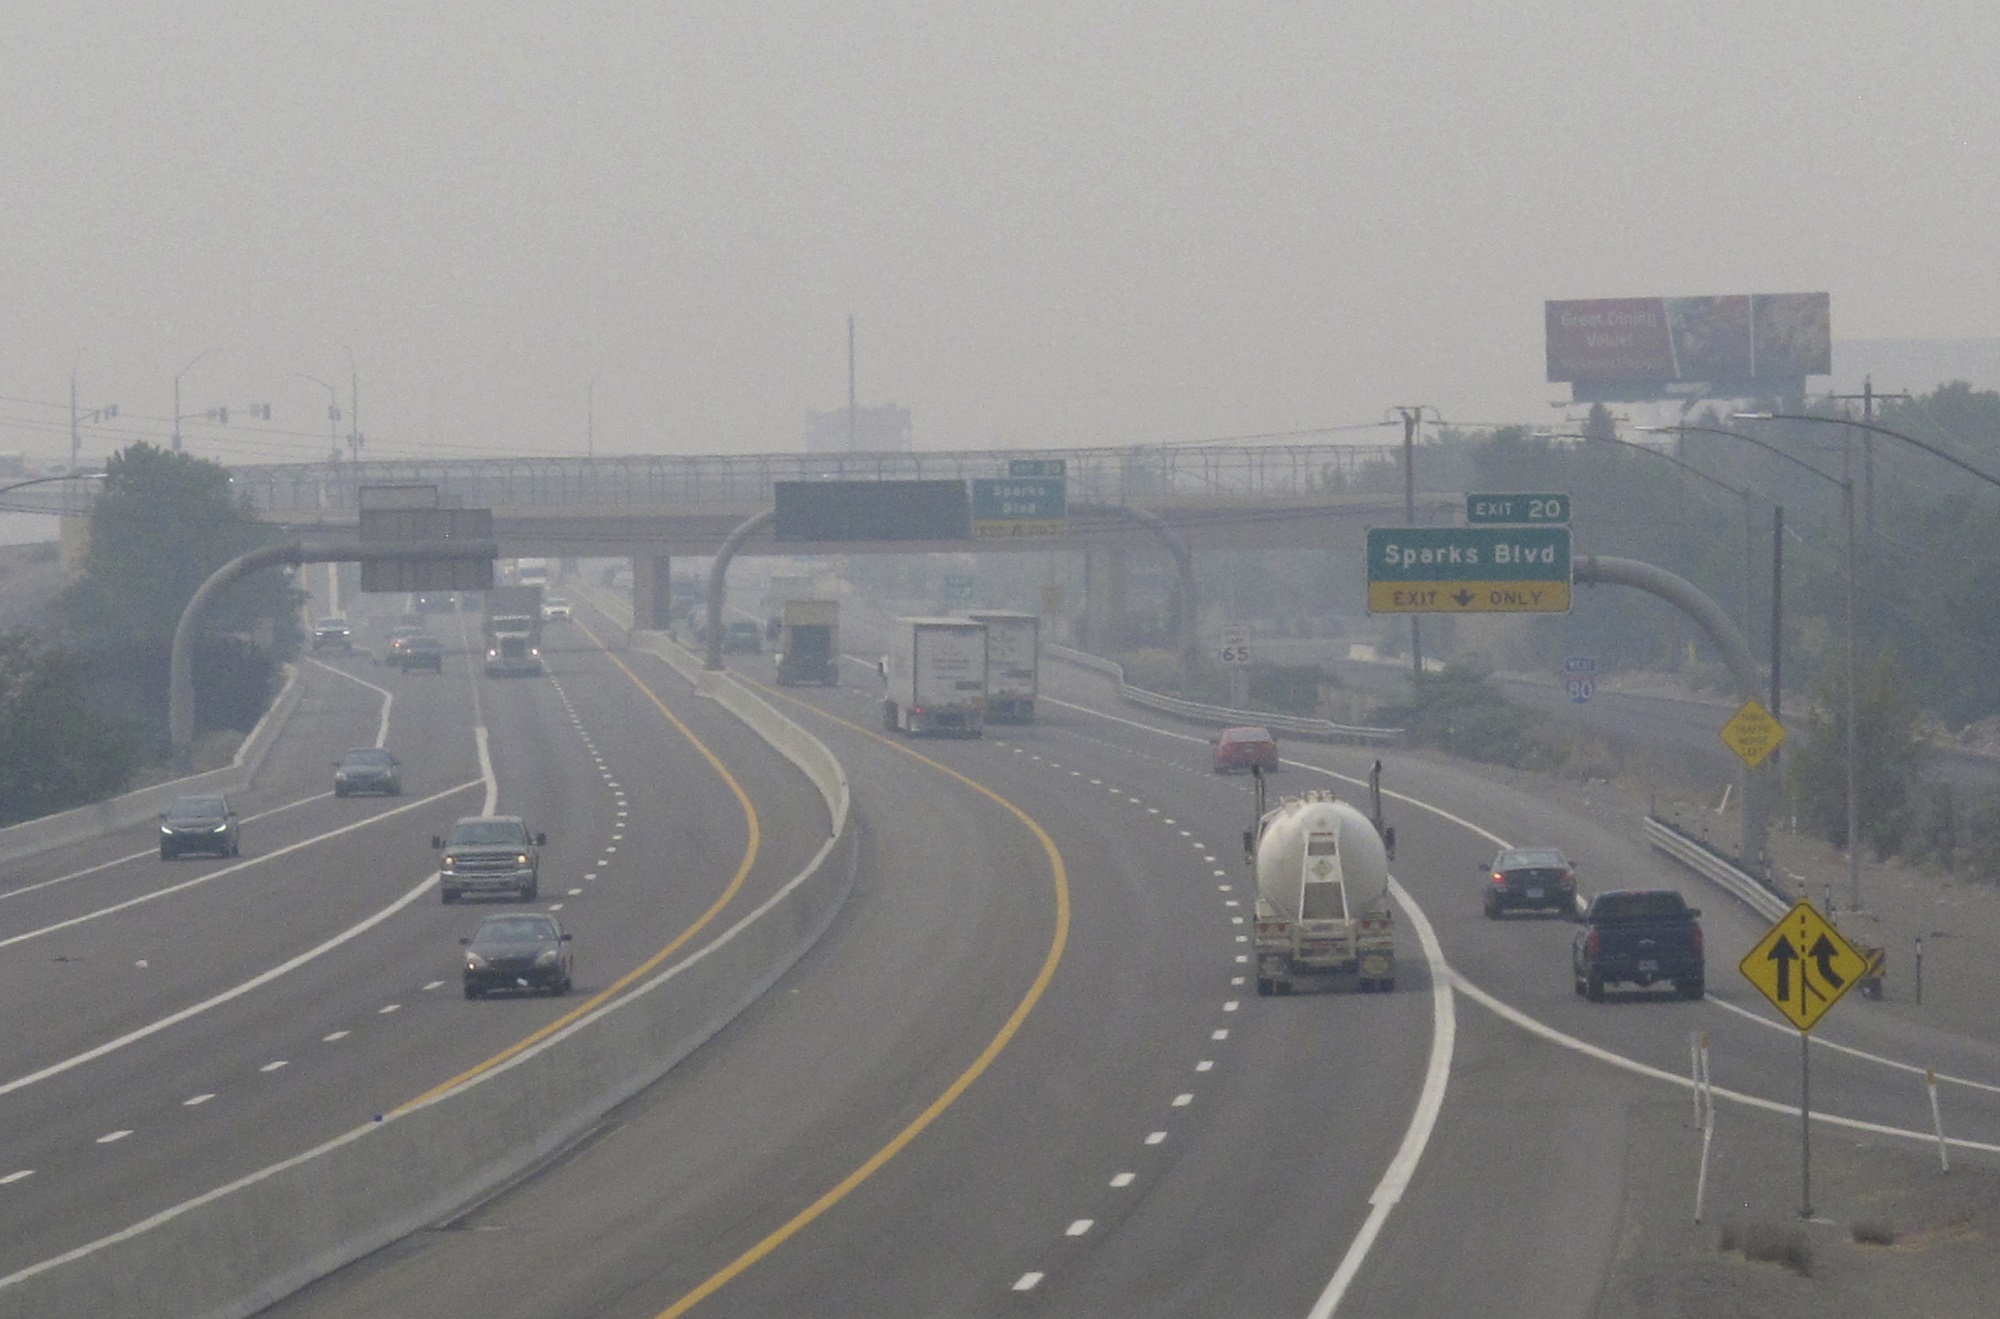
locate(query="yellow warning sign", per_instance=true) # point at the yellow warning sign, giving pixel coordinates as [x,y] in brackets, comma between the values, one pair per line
[1753,734]
[1803,965]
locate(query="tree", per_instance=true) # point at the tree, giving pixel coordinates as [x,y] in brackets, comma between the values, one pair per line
[1890,756]
[163,523]
[60,753]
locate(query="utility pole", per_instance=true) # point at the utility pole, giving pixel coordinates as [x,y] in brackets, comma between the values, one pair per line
[590,418]
[850,382]
[205,353]
[1868,398]
[1411,418]
[77,417]
[353,408]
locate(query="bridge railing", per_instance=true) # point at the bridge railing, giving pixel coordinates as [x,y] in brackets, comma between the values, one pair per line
[1112,476]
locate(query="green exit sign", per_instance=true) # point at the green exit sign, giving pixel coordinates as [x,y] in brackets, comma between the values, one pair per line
[1551,510]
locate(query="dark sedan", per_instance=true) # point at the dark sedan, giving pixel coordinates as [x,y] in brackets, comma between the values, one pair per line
[1537,877]
[368,769]
[199,824]
[523,950]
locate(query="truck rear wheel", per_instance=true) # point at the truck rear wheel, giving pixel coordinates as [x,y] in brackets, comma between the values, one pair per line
[888,716]
[1593,986]
[1264,986]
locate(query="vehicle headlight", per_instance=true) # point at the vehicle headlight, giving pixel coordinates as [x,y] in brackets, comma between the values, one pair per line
[450,862]
[492,652]
[474,962]
[222,828]
[549,958]
[521,860]
[166,828]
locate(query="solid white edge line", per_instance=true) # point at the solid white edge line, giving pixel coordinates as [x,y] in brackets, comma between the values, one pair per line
[1851,1051]
[388,697]
[1430,1101]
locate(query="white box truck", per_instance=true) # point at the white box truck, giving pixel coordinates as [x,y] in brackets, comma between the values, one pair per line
[936,675]
[1013,655]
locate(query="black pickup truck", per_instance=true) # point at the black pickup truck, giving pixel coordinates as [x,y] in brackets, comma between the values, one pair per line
[1641,937]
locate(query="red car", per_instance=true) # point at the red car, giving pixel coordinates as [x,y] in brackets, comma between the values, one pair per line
[1240,748]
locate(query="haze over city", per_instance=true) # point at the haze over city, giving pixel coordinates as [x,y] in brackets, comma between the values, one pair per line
[1056,224]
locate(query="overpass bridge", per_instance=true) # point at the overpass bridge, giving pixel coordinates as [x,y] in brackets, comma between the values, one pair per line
[653,508]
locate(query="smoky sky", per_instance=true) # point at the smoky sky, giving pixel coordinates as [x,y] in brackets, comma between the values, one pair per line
[1057,222]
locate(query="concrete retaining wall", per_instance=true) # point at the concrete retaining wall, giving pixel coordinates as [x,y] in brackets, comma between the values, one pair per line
[102,817]
[243,1246]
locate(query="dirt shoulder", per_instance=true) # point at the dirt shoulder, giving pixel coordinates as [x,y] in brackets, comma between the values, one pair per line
[1891,1233]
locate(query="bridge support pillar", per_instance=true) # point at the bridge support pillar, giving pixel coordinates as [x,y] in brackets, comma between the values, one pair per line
[652,592]
[1104,584]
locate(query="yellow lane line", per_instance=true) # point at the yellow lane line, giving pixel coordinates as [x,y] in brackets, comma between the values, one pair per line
[680,941]
[1060,877]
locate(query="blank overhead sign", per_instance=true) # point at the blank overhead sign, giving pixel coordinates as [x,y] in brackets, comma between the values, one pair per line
[872,510]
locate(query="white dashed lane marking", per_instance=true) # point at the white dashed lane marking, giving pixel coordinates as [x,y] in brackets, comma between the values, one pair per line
[337,1035]
[1027,1282]
[1156,1137]
[1124,1179]
[1079,1227]
[274,1066]
[196,1102]
[13,1177]
[387,1008]
[112,1137]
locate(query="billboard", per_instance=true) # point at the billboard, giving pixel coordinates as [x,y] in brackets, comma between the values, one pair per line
[1625,347]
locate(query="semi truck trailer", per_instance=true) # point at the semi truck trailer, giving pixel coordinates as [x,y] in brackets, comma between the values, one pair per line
[1013,655]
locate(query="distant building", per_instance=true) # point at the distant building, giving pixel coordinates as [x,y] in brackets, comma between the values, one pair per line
[884,428]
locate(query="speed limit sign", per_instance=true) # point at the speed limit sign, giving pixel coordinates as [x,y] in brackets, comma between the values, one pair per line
[1235,644]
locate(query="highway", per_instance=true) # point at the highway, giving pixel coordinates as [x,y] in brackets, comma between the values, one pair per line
[177,1024]
[1021,1073]
[878,1137]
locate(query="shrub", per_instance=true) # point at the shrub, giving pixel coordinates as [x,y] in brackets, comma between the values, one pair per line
[1770,1243]
[1874,1232]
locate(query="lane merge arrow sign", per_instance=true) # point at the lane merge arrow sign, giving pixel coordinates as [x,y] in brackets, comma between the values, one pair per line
[1803,965]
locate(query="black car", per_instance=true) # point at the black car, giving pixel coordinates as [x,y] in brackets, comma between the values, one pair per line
[368,769]
[199,824]
[523,950]
[1539,878]
[421,652]
[332,634]
[742,639]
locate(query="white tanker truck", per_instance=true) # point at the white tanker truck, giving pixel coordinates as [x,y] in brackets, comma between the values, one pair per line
[1323,906]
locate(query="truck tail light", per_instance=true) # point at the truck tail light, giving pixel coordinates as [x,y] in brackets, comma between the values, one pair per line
[1699,947]
[1593,946]
[1499,878]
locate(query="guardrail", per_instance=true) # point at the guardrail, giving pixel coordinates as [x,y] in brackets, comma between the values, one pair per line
[1222,715]
[1698,857]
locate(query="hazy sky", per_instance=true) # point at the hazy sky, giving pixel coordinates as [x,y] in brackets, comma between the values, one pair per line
[1057,221]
